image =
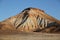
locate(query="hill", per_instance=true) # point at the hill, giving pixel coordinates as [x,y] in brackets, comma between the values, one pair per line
[31,20]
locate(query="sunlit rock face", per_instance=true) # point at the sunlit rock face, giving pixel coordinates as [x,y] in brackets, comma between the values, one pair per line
[6,27]
[32,20]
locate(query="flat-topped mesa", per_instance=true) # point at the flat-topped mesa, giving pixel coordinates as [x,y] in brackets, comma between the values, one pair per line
[32,20]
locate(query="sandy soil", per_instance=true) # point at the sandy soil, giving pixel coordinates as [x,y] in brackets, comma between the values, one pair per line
[29,36]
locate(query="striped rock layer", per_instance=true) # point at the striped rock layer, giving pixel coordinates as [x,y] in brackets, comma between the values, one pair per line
[31,20]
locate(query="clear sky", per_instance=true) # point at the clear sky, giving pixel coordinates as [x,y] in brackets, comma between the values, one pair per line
[12,7]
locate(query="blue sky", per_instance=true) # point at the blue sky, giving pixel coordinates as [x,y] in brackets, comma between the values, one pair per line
[12,7]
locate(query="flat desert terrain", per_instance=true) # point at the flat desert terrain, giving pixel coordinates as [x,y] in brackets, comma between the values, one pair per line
[29,36]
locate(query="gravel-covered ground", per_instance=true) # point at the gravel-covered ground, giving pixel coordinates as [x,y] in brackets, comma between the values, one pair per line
[29,36]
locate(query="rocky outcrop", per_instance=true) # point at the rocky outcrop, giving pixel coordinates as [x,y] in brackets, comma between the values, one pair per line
[31,20]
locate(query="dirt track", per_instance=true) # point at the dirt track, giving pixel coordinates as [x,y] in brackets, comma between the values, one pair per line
[29,36]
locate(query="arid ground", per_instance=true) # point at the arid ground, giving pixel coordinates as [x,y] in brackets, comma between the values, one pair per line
[29,36]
